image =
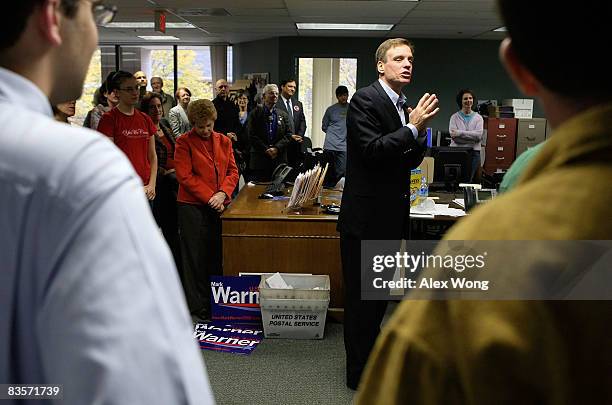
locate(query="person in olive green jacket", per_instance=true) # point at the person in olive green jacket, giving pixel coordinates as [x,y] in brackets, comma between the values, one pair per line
[523,352]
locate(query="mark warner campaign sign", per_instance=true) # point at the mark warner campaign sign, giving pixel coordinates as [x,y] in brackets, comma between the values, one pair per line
[226,338]
[235,299]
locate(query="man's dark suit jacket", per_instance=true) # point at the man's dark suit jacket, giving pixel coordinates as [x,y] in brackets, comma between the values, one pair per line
[380,154]
[299,120]
[257,125]
[227,116]
[295,150]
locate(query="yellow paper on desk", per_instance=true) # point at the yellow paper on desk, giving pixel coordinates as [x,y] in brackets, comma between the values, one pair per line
[415,185]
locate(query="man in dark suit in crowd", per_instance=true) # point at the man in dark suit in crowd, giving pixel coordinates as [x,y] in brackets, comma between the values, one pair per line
[385,140]
[227,122]
[295,110]
[269,132]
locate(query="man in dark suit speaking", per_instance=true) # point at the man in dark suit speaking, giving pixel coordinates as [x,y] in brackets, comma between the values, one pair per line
[385,140]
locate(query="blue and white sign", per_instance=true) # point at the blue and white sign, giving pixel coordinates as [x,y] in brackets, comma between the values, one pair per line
[226,338]
[235,299]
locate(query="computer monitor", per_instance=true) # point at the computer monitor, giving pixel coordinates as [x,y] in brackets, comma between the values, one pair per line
[452,165]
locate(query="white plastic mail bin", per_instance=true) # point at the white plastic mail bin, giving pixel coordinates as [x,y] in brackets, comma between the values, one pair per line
[296,313]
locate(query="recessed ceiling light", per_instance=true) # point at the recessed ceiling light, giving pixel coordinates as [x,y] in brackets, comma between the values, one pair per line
[357,27]
[147,25]
[158,37]
[500,29]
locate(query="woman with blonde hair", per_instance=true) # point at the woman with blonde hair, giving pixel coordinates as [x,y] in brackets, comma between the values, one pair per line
[207,175]
[179,122]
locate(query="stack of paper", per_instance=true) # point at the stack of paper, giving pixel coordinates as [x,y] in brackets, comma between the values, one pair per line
[431,210]
[307,186]
[277,281]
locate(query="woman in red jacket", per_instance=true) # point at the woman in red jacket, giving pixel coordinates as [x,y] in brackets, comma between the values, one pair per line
[207,175]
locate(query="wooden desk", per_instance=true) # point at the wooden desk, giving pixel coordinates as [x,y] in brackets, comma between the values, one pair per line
[260,236]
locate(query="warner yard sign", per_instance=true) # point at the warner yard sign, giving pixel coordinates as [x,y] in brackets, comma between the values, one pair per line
[235,299]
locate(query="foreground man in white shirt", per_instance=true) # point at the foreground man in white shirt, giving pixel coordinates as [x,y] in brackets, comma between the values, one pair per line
[89,296]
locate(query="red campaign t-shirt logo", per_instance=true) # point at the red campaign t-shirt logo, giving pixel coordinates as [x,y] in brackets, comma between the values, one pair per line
[135,133]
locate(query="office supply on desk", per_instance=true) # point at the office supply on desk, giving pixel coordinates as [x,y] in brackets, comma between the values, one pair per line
[429,209]
[460,202]
[474,194]
[278,177]
[307,187]
[452,165]
[275,189]
[332,209]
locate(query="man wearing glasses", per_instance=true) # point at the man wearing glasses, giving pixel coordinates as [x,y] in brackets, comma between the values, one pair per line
[89,298]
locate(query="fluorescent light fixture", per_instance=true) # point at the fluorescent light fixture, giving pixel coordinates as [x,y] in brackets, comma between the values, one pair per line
[356,27]
[146,25]
[158,37]
[500,29]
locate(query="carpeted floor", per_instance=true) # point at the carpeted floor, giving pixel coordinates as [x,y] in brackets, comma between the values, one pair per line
[283,372]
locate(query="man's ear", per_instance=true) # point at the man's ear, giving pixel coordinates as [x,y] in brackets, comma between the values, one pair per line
[522,77]
[48,21]
[380,67]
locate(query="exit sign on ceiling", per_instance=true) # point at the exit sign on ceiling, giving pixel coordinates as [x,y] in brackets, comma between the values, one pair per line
[160,21]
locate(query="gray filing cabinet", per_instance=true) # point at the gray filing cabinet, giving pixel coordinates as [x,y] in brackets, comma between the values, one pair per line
[530,132]
[549,130]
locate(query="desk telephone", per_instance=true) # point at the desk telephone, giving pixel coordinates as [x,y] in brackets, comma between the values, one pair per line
[474,194]
[278,177]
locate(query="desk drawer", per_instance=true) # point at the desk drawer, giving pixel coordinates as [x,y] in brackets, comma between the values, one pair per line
[501,126]
[499,157]
[500,139]
[257,228]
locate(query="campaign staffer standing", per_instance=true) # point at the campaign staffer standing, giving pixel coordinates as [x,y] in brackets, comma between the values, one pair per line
[295,110]
[89,298]
[385,140]
[466,128]
[269,131]
[334,126]
[207,175]
[132,130]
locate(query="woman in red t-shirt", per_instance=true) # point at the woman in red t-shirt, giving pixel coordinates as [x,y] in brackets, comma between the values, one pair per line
[164,207]
[207,175]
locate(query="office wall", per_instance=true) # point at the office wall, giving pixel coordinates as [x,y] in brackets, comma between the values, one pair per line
[257,57]
[442,66]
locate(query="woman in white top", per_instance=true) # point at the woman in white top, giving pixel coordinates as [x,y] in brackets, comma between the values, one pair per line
[466,127]
[178,114]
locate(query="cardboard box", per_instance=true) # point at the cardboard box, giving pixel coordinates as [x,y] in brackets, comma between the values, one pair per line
[523,113]
[427,168]
[525,103]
